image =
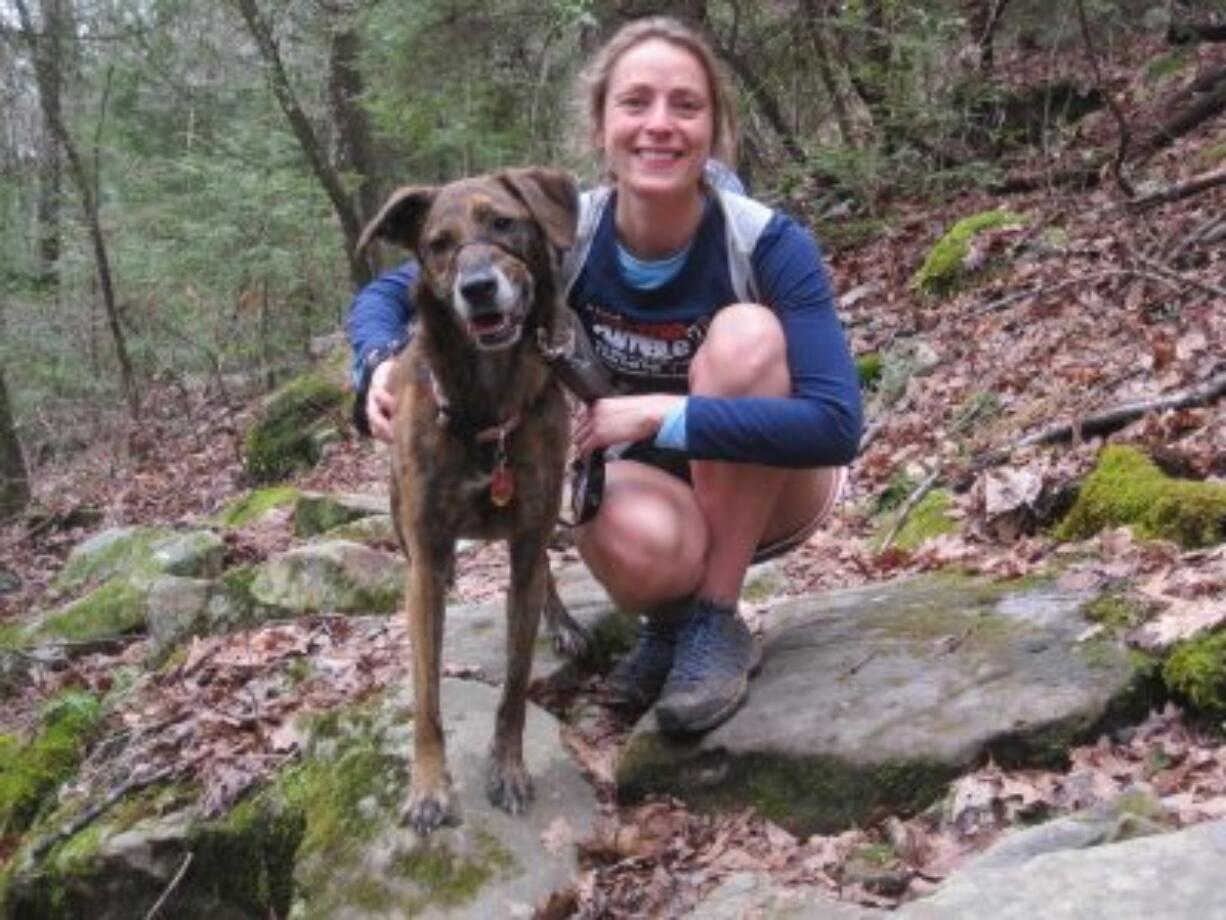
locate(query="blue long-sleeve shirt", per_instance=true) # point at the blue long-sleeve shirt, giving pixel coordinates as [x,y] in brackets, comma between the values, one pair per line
[648,337]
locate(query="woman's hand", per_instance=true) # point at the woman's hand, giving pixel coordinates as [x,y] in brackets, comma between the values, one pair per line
[617,419]
[380,403]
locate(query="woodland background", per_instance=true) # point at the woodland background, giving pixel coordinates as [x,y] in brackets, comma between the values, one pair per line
[181,184]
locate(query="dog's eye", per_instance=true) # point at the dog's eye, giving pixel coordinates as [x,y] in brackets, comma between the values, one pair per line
[439,244]
[501,223]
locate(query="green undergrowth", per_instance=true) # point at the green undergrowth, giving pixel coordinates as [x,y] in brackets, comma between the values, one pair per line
[1126,488]
[869,368]
[1196,670]
[32,770]
[943,268]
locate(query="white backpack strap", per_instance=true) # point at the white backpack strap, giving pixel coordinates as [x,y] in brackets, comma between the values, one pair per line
[745,220]
[591,207]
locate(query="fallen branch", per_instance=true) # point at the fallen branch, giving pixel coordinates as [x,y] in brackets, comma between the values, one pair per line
[1111,419]
[169,890]
[909,505]
[95,811]
[1193,186]
[1166,272]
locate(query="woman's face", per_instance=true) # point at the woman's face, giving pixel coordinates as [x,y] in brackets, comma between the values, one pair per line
[657,126]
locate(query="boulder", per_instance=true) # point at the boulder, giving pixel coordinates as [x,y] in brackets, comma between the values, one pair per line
[318,512]
[875,698]
[756,894]
[141,552]
[293,424]
[375,530]
[323,839]
[1080,869]
[179,608]
[334,576]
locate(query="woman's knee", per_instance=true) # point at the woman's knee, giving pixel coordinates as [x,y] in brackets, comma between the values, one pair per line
[645,546]
[744,354]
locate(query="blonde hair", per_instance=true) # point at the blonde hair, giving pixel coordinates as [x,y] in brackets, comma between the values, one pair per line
[594,81]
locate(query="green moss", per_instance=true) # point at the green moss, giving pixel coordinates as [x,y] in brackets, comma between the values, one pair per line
[30,773]
[255,504]
[115,609]
[868,368]
[1116,612]
[285,436]
[930,518]
[1196,670]
[121,553]
[806,795]
[943,268]
[1126,488]
[448,880]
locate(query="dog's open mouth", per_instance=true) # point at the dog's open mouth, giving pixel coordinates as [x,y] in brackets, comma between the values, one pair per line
[494,330]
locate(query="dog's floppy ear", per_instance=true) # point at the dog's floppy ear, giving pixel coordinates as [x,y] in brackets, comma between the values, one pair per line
[552,196]
[401,219]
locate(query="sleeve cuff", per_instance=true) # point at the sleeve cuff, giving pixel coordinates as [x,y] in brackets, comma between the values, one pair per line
[672,430]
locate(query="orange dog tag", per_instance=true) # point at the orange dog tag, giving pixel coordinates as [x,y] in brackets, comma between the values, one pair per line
[502,486]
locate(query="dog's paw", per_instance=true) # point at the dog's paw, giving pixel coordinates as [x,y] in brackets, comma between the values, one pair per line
[429,809]
[509,787]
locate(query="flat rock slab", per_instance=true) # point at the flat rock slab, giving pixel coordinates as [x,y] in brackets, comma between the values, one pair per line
[1164,877]
[874,698]
[474,637]
[323,838]
[755,894]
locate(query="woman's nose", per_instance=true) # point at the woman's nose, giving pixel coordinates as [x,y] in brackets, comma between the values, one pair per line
[658,116]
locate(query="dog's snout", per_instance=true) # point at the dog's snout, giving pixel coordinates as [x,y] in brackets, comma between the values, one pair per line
[479,288]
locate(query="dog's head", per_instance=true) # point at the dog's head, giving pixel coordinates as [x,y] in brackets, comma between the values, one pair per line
[485,244]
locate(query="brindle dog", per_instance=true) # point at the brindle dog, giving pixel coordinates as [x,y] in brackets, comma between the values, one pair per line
[481,431]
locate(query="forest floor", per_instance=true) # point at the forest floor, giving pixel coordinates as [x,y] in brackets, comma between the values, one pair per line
[1088,305]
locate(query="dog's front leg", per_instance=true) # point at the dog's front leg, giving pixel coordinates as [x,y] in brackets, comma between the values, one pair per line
[430,798]
[508,784]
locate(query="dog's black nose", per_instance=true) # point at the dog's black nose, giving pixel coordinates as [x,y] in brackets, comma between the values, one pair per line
[479,287]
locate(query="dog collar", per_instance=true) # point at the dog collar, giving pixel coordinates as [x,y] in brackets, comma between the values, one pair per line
[502,478]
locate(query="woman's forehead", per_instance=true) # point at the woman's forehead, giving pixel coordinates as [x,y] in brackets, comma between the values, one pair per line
[657,61]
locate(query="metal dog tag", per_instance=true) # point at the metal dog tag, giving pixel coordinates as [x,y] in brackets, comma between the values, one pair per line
[502,486]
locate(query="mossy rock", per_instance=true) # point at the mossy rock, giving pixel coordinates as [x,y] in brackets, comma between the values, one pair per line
[943,269]
[293,424]
[111,610]
[141,553]
[1126,488]
[255,504]
[331,577]
[1196,670]
[319,512]
[930,518]
[31,771]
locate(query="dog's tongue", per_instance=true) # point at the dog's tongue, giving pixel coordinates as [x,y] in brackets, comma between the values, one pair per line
[486,323]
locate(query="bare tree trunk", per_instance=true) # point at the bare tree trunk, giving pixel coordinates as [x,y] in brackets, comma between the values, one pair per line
[51,164]
[89,204]
[814,18]
[14,482]
[312,148]
[355,149]
[983,17]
